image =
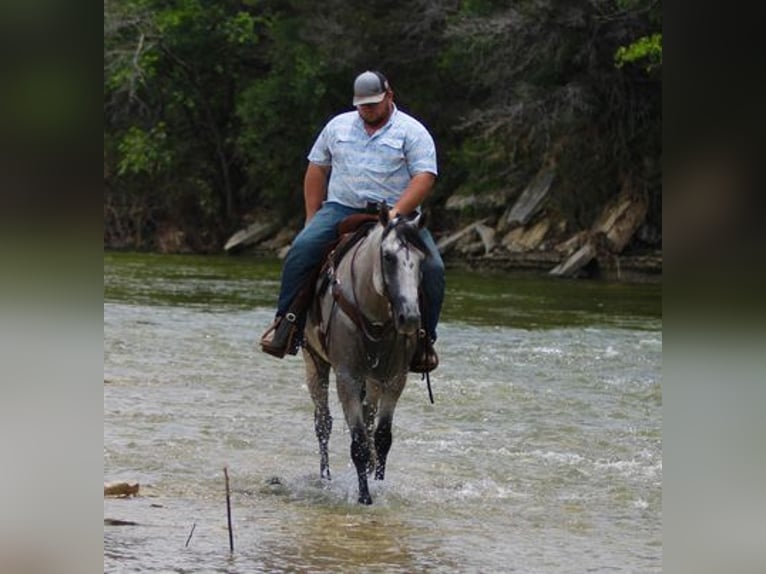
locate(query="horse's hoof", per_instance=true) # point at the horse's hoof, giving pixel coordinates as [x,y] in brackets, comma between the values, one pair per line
[365,500]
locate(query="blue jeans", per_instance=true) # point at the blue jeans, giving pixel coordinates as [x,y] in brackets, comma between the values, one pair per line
[311,243]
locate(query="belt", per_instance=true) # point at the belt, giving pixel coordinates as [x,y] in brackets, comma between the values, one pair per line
[372,207]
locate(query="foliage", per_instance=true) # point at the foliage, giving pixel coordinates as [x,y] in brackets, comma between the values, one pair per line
[211,106]
[172,74]
[544,91]
[144,152]
[646,48]
[279,113]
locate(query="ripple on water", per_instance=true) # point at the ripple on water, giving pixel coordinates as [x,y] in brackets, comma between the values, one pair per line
[542,453]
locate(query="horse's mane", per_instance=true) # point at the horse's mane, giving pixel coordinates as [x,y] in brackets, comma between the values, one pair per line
[407,233]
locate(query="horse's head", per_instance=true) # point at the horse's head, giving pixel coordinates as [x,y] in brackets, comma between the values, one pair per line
[402,251]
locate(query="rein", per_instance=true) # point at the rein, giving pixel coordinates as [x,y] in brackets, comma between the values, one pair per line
[373,332]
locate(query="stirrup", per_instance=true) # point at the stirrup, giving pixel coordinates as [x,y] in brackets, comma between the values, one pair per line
[280,338]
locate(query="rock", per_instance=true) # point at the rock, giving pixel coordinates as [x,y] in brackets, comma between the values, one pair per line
[122,489]
[118,522]
[171,239]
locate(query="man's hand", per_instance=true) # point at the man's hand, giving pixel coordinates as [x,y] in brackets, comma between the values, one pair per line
[416,192]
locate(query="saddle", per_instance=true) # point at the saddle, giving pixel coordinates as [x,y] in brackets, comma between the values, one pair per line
[350,231]
[285,336]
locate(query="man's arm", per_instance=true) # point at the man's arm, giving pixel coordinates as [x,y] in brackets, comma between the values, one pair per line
[314,188]
[417,191]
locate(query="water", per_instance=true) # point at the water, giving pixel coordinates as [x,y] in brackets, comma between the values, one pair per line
[542,453]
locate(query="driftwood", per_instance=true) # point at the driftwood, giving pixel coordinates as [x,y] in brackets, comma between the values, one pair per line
[568,247]
[479,203]
[118,522]
[577,261]
[252,234]
[472,249]
[530,200]
[523,239]
[487,235]
[121,489]
[610,233]
[620,220]
[447,243]
[228,509]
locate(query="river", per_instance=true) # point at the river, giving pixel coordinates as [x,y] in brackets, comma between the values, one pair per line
[542,452]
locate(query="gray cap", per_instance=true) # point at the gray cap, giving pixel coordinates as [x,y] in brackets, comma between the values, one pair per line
[370,88]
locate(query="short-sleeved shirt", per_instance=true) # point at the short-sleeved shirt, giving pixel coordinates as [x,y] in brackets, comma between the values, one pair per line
[372,168]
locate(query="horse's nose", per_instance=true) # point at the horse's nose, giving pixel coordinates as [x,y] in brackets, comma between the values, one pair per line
[407,319]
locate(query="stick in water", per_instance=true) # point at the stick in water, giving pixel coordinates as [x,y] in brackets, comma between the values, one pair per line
[190,534]
[228,509]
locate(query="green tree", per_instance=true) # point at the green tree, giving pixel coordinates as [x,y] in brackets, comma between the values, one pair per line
[542,89]
[175,67]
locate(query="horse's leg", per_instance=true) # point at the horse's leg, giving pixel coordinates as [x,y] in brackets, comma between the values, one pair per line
[350,394]
[318,379]
[383,434]
[370,410]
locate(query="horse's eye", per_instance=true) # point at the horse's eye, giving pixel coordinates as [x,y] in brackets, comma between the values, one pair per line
[389,258]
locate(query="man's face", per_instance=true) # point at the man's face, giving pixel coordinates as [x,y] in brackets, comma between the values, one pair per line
[374,115]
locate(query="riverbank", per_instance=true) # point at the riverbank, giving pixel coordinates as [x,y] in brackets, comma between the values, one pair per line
[583,256]
[631,268]
[525,235]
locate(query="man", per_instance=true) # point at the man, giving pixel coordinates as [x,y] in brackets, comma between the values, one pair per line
[374,154]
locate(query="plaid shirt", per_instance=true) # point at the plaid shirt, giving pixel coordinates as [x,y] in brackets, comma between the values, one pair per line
[372,168]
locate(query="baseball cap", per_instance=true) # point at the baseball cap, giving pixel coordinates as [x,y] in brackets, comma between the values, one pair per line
[370,88]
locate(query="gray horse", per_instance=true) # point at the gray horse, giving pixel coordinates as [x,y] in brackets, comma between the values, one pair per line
[365,327]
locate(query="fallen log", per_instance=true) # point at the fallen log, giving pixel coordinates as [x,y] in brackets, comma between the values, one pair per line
[487,235]
[251,235]
[577,261]
[447,243]
[523,239]
[530,200]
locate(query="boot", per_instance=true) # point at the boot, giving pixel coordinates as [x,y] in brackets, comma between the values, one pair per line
[425,359]
[280,338]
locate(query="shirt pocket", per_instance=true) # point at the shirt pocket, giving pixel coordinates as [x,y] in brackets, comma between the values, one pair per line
[388,155]
[345,152]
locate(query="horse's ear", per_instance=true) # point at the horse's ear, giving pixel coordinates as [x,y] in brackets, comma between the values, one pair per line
[383,213]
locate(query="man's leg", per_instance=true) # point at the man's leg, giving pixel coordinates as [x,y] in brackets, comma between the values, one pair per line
[425,359]
[302,260]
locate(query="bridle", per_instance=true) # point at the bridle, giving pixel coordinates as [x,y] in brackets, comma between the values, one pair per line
[373,333]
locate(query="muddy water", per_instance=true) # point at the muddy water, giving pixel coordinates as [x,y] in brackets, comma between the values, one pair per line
[542,453]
